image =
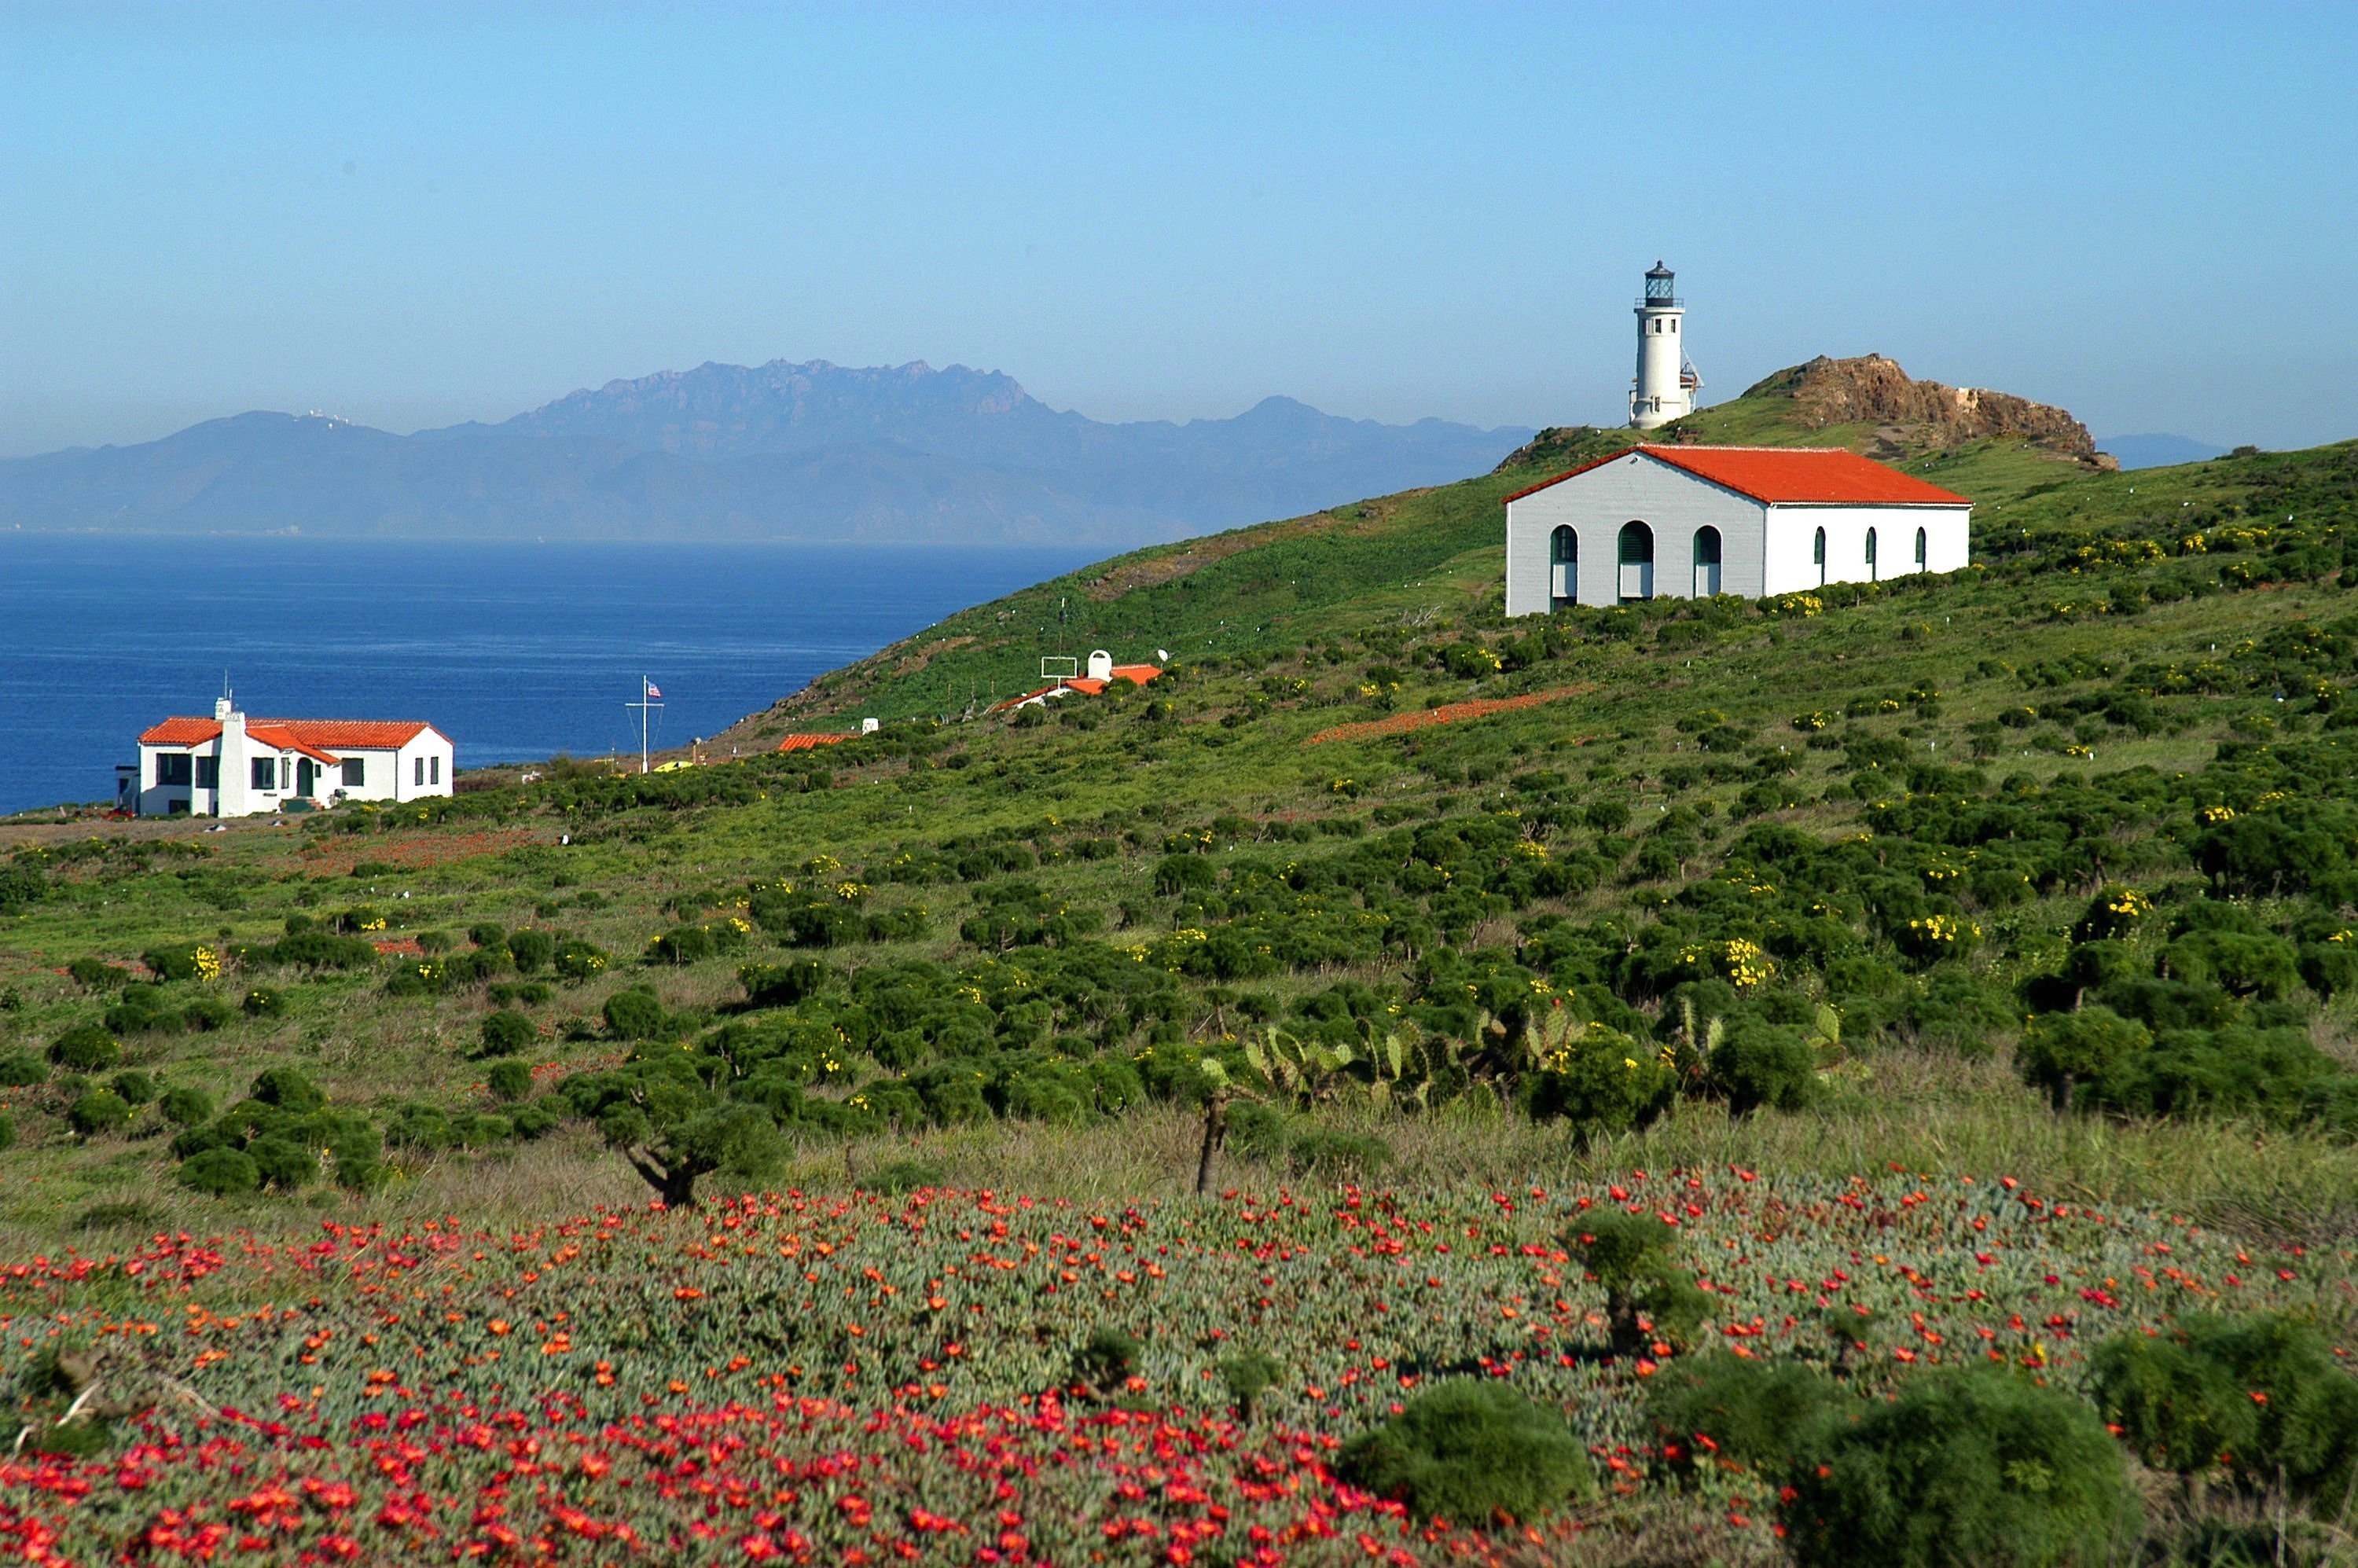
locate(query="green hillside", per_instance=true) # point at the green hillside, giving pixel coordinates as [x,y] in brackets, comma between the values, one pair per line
[1717,1051]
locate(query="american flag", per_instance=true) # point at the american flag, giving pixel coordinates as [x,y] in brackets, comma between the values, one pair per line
[655,692]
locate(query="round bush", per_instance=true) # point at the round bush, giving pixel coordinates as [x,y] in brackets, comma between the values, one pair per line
[22,1069]
[634,1015]
[1962,1466]
[135,1087]
[1764,1064]
[487,934]
[186,1107]
[220,1172]
[288,1090]
[507,1032]
[1752,1412]
[1468,1450]
[85,1048]
[577,959]
[264,1001]
[531,950]
[509,1080]
[2062,1052]
[99,1111]
[283,1163]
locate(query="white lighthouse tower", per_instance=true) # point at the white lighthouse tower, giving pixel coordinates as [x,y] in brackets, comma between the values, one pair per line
[1667,384]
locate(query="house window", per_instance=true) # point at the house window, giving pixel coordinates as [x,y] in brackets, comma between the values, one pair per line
[264,772]
[1870,555]
[1919,549]
[1706,562]
[208,773]
[434,770]
[420,778]
[355,772]
[1818,555]
[171,768]
[1564,566]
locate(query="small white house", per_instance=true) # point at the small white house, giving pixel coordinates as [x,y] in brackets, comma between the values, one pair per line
[1688,521]
[230,765]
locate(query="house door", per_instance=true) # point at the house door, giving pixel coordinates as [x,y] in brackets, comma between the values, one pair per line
[1563,568]
[1636,561]
[306,772]
[1706,562]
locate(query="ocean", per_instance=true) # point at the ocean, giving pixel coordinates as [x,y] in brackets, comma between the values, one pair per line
[514,651]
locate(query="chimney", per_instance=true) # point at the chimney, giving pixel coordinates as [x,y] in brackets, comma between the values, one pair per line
[221,708]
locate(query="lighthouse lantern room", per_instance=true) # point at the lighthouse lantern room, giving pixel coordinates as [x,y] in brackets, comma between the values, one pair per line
[1667,384]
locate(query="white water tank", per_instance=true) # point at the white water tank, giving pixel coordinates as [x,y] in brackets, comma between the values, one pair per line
[1100,664]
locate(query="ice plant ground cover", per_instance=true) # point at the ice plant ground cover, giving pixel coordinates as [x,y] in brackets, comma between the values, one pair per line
[876,1379]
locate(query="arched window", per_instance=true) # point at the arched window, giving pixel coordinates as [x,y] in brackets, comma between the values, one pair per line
[1563,568]
[1870,555]
[1706,562]
[1636,561]
[1921,543]
[1818,555]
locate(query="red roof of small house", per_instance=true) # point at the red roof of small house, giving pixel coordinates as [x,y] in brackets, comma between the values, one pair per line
[297,734]
[286,740]
[809,743]
[1787,476]
[1088,686]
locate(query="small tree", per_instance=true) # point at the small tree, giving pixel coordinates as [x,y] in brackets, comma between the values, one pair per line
[1647,1298]
[507,1031]
[1764,1064]
[674,1133]
[2062,1051]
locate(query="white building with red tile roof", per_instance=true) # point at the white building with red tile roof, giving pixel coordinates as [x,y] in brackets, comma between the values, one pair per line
[230,765]
[1684,521]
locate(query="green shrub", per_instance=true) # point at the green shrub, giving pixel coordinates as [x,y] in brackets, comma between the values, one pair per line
[1648,1297]
[205,1014]
[286,1088]
[531,951]
[1253,1129]
[1247,1376]
[1598,1079]
[97,974]
[359,1154]
[1764,1064]
[2062,1052]
[1108,1358]
[321,950]
[264,1001]
[85,1048]
[782,985]
[1959,1466]
[99,1111]
[2308,1426]
[22,1069]
[135,1087]
[1744,1411]
[487,934]
[537,1119]
[283,1163]
[508,1080]
[505,1034]
[187,1107]
[177,963]
[634,1015]
[577,959]
[901,1176]
[220,1172]
[431,942]
[1468,1450]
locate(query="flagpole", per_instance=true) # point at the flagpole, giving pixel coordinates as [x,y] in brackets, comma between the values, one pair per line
[647,694]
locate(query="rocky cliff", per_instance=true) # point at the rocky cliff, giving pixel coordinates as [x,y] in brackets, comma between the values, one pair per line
[1911,415]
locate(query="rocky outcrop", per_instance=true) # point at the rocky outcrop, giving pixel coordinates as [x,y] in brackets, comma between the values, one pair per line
[1911,415]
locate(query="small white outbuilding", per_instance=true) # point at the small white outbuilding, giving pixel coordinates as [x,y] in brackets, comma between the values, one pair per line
[1688,521]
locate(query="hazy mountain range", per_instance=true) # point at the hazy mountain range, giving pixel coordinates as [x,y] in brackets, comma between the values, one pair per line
[2158,451]
[780,450]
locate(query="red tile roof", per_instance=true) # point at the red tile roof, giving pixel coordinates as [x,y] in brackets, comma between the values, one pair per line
[809,743]
[1805,476]
[1088,686]
[297,734]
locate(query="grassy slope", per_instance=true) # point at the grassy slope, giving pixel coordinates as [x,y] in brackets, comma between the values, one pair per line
[1227,756]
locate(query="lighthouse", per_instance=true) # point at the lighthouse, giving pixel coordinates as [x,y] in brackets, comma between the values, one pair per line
[1667,384]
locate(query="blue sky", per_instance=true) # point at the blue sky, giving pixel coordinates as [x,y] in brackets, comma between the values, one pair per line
[416,214]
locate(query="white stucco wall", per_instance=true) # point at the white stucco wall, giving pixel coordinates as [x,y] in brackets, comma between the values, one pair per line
[1598,503]
[1792,534]
[391,775]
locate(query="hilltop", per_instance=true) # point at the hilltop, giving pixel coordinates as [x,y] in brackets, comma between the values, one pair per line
[1433,552]
[780,450]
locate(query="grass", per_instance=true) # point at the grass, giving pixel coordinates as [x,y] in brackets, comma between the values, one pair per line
[1186,869]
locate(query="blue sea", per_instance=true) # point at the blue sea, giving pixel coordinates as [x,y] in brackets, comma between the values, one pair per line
[515,651]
